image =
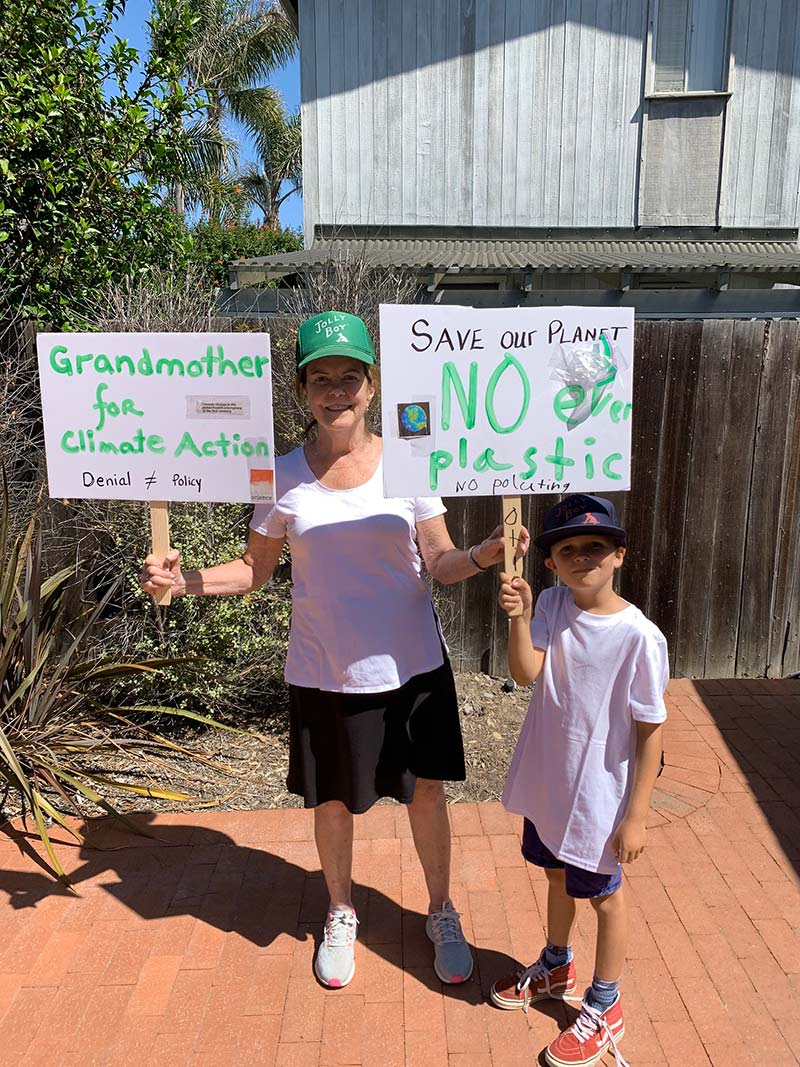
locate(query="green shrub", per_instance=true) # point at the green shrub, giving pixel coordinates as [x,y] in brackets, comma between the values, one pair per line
[214,245]
[238,644]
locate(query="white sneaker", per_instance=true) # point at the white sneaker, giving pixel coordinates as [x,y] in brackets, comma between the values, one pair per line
[335,964]
[452,958]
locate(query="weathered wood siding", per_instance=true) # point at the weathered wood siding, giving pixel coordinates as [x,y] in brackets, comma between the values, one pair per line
[471,112]
[515,113]
[681,167]
[761,166]
[713,517]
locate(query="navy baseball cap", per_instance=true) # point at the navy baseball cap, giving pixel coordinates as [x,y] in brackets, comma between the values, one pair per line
[579,514]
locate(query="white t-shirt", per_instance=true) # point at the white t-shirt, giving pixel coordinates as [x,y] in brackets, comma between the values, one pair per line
[571,772]
[363,620]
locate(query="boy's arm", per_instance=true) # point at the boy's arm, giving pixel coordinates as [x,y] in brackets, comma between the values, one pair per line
[629,839]
[524,660]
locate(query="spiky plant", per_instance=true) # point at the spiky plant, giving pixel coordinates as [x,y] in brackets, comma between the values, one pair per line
[55,725]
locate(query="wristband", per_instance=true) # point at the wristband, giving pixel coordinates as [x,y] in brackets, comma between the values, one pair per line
[473,561]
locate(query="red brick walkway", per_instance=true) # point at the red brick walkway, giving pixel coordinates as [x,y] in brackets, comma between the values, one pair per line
[196,948]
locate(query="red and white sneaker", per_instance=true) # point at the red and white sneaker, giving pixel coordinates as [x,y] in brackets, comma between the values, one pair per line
[588,1039]
[537,982]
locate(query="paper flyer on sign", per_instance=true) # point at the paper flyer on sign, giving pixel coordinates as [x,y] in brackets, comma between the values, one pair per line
[502,402]
[165,416]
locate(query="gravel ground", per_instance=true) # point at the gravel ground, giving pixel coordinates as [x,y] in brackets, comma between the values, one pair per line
[257,762]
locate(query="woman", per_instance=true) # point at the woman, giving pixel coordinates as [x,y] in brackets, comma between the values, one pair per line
[373,704]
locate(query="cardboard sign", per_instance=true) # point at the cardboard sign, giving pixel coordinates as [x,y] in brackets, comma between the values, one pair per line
[158,417]
[505,402]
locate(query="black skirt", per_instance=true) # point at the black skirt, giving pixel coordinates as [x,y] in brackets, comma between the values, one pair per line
[357,747]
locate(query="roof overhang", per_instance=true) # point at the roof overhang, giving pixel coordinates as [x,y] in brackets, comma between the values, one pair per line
[444,251]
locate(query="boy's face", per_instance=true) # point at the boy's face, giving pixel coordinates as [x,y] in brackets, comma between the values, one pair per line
[586,561]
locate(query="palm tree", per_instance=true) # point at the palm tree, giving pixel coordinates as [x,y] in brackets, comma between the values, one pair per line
[279,173]
[233,46]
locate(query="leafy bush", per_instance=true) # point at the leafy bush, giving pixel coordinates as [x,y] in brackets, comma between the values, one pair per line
[215,244]
[56,724]
[89,137]
[241,640]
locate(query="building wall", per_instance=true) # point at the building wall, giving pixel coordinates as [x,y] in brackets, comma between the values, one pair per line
[515,113]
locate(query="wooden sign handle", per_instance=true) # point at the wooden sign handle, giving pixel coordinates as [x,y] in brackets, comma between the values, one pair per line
[159,531]
[512,528]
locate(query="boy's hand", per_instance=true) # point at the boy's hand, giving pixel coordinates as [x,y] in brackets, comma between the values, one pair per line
[628,841]
[513,593]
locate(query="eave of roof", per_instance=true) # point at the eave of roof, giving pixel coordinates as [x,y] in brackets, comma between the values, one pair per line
[452,253]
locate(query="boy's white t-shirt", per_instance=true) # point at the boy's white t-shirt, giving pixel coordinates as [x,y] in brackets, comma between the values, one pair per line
[571,772]
[363,620]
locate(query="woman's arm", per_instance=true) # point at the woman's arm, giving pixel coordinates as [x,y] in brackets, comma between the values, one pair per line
[448,564]
[252,570]
[629,838]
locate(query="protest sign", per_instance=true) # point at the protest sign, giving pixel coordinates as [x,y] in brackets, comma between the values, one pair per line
[505,402]
[158,417]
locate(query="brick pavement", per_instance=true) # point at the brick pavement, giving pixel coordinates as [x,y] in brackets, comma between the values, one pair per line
[196,947]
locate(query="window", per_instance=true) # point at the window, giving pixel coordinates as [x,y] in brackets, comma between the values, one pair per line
[691,46]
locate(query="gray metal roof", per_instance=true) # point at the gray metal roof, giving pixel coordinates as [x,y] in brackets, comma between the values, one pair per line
[482,255]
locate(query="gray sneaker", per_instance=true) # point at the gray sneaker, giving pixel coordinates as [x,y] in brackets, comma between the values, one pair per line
[452,958]
[335,964]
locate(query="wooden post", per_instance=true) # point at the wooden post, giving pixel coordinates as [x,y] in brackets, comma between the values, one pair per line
[512,526]
[159,531]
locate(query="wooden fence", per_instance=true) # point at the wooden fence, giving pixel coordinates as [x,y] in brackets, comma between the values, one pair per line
[713,516]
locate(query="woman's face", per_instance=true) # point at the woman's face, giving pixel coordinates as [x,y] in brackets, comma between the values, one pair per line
[338,392]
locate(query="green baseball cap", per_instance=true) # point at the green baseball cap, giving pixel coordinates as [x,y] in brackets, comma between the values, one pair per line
[333,333]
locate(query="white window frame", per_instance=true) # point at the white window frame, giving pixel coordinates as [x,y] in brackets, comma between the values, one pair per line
[684,94]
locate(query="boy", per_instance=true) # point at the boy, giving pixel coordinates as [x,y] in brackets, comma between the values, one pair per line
[586,761]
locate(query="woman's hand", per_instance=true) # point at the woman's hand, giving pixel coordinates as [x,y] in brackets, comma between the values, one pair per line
[515,596]
[492,550]
[163,573]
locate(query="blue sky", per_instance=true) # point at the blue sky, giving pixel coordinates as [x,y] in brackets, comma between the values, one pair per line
[133,25]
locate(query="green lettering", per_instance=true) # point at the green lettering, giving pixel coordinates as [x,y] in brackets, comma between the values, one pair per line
[225,365]
[60,366]
[567,399]
[261,362]
[65,438]
[194,368]
[559,460]
[451,379]
[155,443]
[80,360]
[145,364]
[262,448]
[462,452]
[170,365]
[440,460]
[186,444]
[613,458]
[110,447]
[588,458]
[528,460]
[246,367]
[597,391]
[486,461]
[125,362]
[507,361]
[103,365]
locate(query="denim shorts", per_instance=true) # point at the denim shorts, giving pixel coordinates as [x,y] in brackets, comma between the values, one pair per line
[581,884]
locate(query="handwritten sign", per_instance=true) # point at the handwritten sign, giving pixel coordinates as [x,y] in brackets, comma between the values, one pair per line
[505,402]
[158,417]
